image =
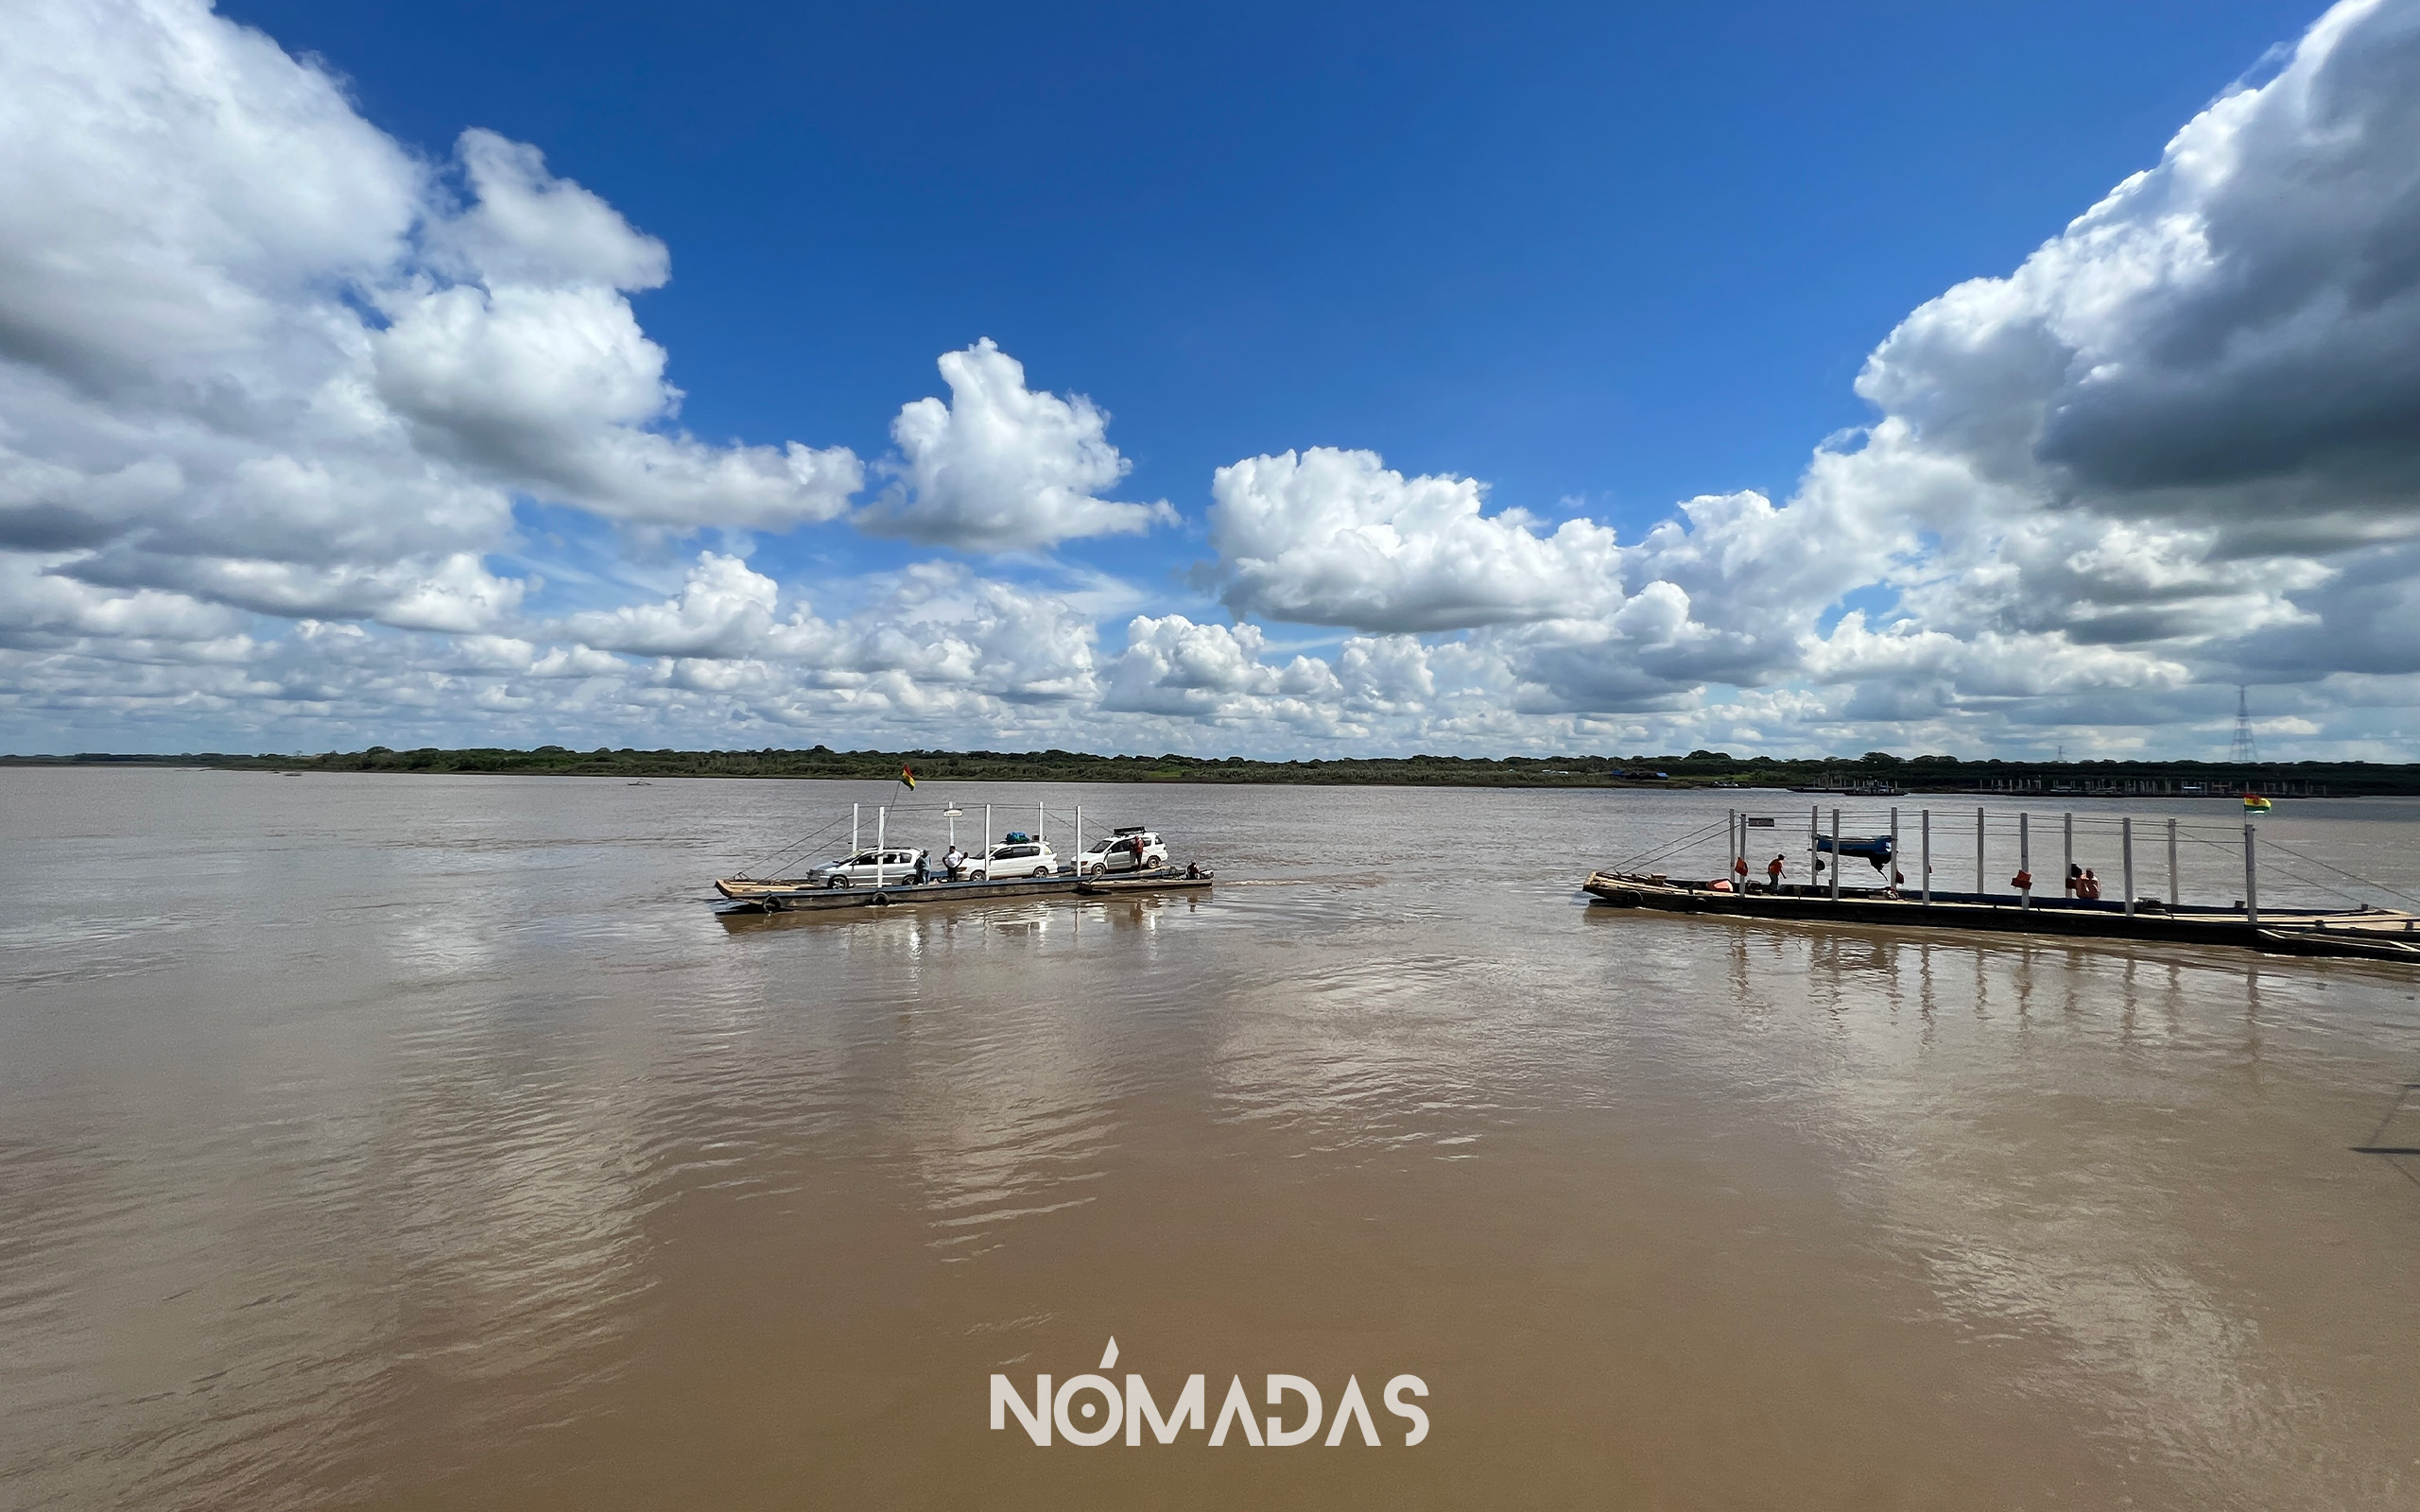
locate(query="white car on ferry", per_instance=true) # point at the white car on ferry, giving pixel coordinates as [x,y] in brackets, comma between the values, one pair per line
[873,869]
[1134,848]
[1014,858]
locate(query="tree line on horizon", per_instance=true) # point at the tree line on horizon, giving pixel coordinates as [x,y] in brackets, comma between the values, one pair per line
[1696,770]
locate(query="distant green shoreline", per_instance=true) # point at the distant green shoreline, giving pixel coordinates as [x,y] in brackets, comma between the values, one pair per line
[1870,774]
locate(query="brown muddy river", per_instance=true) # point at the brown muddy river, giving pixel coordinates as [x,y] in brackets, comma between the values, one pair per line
[404,1141]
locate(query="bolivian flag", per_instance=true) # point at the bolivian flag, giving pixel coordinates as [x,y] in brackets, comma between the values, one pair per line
[907,775]
[2255,804]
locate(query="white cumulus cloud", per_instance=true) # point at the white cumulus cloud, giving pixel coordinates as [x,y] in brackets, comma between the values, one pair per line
[255,353]
[2200,402]
[1002,468]
[1330,537]
[2178,447]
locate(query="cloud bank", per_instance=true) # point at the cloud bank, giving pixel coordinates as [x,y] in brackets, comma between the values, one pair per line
[277,394]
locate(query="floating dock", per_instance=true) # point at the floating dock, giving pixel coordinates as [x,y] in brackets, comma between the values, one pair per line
[748,896]
[2373,933]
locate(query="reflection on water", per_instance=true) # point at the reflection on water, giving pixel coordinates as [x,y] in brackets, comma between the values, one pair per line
[409,1141]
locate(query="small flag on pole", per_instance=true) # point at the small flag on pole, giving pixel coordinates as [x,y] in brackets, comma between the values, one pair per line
[907,775]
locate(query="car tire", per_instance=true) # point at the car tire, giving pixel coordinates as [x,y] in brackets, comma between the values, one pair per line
[835,882]
[1042,872]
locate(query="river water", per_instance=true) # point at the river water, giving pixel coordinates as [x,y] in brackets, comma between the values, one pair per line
[423,1142]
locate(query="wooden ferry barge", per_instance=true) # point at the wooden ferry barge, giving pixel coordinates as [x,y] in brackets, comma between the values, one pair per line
[2366,931]
[790,897]
[2376,934]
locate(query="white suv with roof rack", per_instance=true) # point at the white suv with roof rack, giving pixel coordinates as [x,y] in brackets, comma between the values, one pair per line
[1013,858]
[1132,848]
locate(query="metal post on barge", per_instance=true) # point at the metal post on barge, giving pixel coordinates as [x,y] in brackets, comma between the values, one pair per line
[2025,859]
[2176,893]
[2251,880]
[2126,848]
[2068,863]
[1924,823]
[1836,854]
[853,845]
[880,856]
[1891,878]
[1979,855]
[1810,848]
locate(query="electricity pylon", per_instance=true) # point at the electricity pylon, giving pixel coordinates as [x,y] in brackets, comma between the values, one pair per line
[2246,753]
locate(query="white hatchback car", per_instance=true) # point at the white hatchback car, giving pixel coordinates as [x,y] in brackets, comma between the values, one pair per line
[1126,851]
[871,868]
[1021,858]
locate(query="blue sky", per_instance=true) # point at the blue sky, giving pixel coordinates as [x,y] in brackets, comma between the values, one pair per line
[1599,260]
[1618,253]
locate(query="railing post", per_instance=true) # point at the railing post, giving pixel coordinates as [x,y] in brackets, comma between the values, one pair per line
[1812,815]
[1836,853]
[1890,869]
[2025,858]
[2175,893]
[2126,847]
[2068,866]
[1979,855]
[1923,821]
[2251,880]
